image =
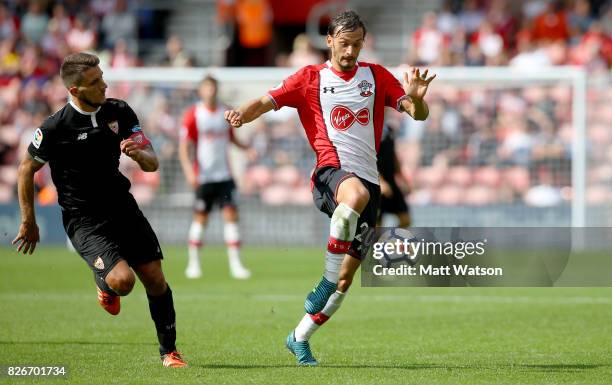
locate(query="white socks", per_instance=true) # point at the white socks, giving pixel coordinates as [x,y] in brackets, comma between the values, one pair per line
[231,234]
[311,322]
[342,230]
[196,233]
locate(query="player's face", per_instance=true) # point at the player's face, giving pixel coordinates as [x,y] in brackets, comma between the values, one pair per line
[92,89]
[208,92]
[345,47]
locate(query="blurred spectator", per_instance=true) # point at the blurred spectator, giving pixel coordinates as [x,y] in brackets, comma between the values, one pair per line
[254,22]
[34,22]
[176,56]
[471,16]
[8,28]
[120,24]
[121,56]
[81,38]
[503,21]
[61,19]
[303,53]
[428,43]
[580,17]
[551,25]
[447,21]
[594,49]
[490,43]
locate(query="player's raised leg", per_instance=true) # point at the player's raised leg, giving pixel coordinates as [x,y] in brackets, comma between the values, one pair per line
[118,282]
[352,197]
[231,234]
[161,306]
[195,243]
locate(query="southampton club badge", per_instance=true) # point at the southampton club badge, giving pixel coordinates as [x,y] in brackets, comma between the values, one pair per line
[99,263]
[366,88]
[114,126]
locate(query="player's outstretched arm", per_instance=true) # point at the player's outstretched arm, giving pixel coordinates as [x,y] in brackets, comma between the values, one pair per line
[28,234]
[143,155]
[415,86]
[249,111]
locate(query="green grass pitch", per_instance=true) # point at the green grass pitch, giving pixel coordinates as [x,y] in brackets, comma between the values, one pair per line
[233,332]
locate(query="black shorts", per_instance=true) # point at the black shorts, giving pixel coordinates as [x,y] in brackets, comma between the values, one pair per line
[326,181]
[395,204]
[219,193]
[103,240]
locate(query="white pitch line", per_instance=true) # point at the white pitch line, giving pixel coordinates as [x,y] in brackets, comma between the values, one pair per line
[360,297]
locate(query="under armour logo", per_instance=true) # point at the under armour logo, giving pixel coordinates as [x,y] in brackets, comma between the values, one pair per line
[330,89]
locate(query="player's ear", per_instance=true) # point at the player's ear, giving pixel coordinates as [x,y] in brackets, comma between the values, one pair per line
[329,41]
[74,90]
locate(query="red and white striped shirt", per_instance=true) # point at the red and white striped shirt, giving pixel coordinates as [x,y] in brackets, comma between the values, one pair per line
[342,112]
[211,134]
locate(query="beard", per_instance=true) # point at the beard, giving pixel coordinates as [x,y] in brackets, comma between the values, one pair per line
[91,103]
[348,66]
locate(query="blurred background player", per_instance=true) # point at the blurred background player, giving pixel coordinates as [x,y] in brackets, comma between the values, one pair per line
[82,143]
[391,194]
[203,152]
[341,106]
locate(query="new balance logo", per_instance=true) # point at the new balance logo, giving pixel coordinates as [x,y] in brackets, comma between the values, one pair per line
[82,136]
[328,89]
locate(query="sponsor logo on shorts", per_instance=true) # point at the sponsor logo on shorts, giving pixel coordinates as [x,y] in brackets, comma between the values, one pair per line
[99,263]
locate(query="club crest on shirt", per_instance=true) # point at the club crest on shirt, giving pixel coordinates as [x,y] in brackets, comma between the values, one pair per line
[365,88]
[114,126]
[99,263]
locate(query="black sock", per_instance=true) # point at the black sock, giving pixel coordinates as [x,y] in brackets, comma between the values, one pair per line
[101,283]
[162,313]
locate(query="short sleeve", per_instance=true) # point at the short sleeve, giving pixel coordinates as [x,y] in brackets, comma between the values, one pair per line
[129,124]
[394,92]
[43,142]
[291,92]
[189,129]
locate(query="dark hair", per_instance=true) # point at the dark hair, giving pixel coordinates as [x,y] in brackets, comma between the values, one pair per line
[74,65]
[209,79]
[345,21]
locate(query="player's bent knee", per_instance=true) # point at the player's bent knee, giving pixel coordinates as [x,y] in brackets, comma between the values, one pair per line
[122,283]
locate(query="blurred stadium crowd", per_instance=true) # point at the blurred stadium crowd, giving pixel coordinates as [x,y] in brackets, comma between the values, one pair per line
[480,146]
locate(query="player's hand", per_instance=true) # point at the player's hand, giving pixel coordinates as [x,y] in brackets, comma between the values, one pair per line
[130,148]
[234,117]
[385,189]
[27,238]
[192,179]
[415,84]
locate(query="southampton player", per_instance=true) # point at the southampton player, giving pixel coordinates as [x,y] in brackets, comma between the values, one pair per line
[341,106]
[82,143]
[392,198]
[207,135]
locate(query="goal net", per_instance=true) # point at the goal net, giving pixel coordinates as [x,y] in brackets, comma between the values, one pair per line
[502,147]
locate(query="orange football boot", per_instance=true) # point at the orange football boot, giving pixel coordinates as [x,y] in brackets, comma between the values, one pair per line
[111,303]
[173,360]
